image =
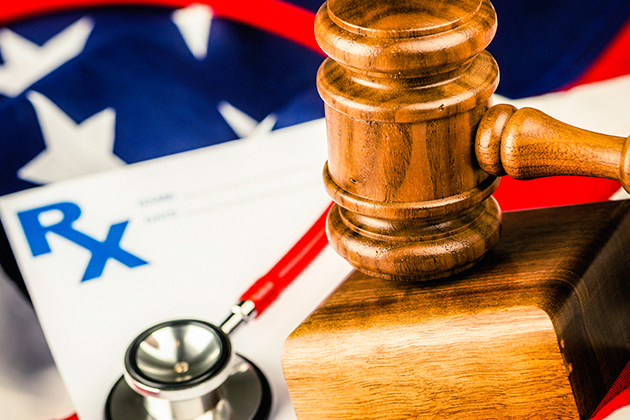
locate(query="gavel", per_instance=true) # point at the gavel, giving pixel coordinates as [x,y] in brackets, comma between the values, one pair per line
[415,147]
[536,329]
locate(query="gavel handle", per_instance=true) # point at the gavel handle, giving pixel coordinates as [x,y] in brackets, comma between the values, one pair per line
[528,144]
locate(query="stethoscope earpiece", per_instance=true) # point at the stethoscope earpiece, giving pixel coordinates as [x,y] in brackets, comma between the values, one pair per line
[187,370]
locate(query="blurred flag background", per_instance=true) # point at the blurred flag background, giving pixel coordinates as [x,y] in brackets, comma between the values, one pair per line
[91,85]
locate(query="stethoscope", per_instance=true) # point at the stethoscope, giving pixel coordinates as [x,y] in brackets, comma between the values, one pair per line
[187,369]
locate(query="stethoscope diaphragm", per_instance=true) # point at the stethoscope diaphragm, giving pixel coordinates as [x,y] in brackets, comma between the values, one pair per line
[187,370]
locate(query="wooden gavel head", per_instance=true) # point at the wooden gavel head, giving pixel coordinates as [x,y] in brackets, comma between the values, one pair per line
[405,87]
[414,151]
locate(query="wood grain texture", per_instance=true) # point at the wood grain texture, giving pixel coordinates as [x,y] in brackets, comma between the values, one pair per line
[404,90]
[538,329]
[400,250]
[404,38]
[528,144]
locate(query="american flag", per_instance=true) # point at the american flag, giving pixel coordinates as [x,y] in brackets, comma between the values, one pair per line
[88,85]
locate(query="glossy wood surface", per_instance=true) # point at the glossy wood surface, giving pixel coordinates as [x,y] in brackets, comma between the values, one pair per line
[405,38]
[540,328]
[405,88]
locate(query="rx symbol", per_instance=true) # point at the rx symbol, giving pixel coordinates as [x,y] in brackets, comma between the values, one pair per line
[35,233]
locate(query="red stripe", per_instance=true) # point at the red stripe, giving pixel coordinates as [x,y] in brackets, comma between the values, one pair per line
[617,397]
[621,400]
[557,191]
[274,16]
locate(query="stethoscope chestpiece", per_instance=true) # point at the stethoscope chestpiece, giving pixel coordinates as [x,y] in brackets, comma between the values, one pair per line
[187,370]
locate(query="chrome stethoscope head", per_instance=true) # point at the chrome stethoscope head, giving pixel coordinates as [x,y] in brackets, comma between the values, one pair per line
[187,370]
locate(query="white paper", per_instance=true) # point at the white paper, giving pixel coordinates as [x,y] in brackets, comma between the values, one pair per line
[209,223]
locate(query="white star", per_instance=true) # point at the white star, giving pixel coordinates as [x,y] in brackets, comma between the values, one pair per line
[71,149]
[193,23]
[26,62]
[244,125]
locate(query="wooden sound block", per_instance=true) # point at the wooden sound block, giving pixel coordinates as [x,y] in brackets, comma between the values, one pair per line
[540,328]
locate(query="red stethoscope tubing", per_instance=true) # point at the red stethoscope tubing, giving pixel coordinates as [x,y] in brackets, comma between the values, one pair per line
[267,288]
